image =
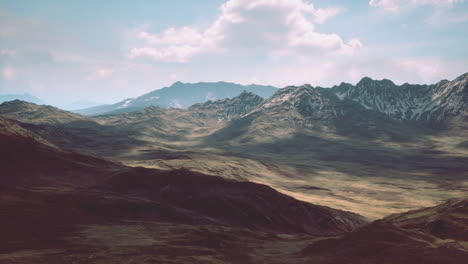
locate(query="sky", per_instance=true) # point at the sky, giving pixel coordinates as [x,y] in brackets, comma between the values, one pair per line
[64,51]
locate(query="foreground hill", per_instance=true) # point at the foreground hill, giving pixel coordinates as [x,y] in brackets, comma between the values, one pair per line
[180,95]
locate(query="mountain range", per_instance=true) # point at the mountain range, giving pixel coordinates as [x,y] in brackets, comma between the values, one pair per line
[365,173]
[431,103]
[180,95]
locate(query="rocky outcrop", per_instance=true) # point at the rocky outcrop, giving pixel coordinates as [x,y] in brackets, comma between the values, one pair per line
[226,108]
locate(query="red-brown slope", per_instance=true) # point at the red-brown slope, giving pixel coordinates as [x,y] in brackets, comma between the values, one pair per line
[430,235]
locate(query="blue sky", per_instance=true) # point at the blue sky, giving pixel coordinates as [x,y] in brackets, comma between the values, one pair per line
[105,51]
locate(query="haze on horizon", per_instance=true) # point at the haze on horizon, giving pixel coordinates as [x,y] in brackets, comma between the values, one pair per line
[66,51]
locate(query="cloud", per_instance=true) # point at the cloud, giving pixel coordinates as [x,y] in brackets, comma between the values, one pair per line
[276,42]
[260,26]
[173,45]
[398,5]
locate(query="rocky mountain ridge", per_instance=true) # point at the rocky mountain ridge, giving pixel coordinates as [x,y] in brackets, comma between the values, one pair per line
[427,103]
[227,108]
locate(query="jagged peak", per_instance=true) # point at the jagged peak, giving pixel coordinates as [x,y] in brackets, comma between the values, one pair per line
[18,105]
[244,96]
[364,81]
[388,82]
[295,89]
[246,93]
[345,84]
[462,77]
[178,83]
[17,101]
[368,81]
[442,82]
[293,95]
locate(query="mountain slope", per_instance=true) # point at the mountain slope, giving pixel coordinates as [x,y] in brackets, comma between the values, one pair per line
[429,235]
[68,130]
[30,160]
[181,95]
[38,114]
[447,221]
[226,108]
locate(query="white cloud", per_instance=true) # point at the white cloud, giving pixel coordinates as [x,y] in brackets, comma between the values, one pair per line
[259,26]
[388,5]
[277,42]
[173,45]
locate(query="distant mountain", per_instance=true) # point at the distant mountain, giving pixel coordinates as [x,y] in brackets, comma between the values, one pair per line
[24,97]
[433,103]
[181,95]
[79,105]
[370,109]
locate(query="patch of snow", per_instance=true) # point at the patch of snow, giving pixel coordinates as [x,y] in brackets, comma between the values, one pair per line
[175,103]
[151,98]
[341,96]
[284,97]
[126,103]
[210,97]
